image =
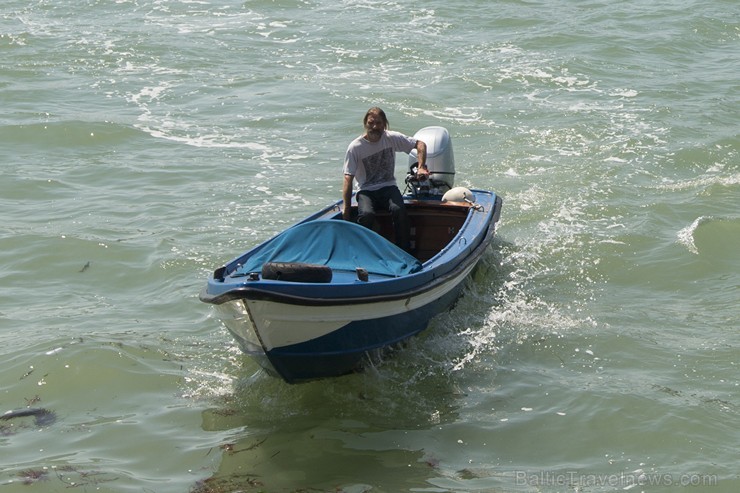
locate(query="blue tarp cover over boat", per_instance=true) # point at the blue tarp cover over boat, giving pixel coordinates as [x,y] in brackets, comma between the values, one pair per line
[341,245]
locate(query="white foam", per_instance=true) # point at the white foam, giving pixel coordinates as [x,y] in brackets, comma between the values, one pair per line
[686,235]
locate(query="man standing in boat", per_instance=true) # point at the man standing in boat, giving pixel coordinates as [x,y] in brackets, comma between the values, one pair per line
[371,160]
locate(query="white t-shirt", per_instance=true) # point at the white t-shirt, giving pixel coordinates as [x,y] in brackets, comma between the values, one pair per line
[373,163]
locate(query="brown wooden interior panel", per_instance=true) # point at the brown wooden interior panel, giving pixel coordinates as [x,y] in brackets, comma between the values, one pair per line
[433,231]
[431,227]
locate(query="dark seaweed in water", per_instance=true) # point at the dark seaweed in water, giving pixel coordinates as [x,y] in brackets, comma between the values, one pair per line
[42,417]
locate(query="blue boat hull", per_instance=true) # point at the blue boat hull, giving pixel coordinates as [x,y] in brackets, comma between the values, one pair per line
[308,330]
[359,340]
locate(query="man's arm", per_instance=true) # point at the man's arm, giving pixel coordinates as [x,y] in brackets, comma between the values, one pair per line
[421,153]
[347,197]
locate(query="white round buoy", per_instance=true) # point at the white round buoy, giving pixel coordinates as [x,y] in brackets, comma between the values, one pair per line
[458,194]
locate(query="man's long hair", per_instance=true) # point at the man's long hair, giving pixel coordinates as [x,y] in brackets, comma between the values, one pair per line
[377,112]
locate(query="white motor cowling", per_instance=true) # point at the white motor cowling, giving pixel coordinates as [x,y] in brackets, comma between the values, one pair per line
[440,159]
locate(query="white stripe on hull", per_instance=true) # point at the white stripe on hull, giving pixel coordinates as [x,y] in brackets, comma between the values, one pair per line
[281,324]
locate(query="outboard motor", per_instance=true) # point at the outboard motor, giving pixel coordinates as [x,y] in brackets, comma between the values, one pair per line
[440,161]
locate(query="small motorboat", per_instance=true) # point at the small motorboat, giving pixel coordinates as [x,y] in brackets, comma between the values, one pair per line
[318,299]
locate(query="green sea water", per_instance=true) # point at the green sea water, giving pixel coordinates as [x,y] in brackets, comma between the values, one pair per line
[596,348]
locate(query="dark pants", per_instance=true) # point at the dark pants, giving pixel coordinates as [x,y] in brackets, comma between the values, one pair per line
[390,199]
